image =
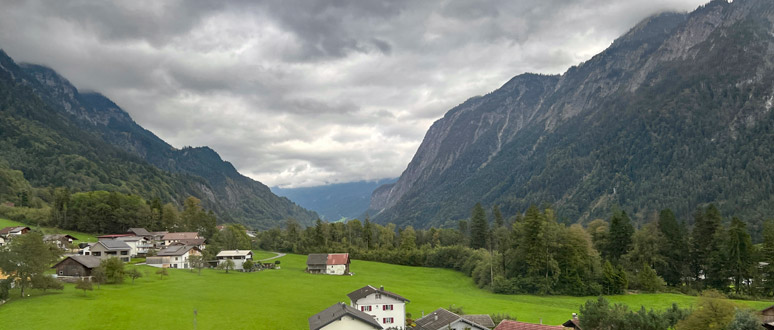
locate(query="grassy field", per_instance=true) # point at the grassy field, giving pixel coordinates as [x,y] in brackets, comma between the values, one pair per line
[279,299]
[48,230]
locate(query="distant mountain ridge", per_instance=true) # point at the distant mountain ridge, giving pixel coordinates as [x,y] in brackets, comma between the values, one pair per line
[674,114]
[192,171]
[334,201]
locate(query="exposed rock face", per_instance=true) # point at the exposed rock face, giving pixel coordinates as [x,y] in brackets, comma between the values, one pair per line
[627,127]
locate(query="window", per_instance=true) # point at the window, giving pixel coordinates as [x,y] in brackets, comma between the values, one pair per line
[61,272]
[97,254]
[365,308]
[378,296]
[386,307]
[123,253]
[388,320]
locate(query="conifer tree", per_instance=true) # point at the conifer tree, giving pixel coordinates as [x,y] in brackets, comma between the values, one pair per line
[739,253]
[479,228]
[620,236]
[674,250]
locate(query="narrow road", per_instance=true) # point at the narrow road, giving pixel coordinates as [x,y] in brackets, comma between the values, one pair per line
[279,255]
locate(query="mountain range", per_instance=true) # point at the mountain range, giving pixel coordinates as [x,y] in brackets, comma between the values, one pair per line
[59,137]
[676,113]
[334,201]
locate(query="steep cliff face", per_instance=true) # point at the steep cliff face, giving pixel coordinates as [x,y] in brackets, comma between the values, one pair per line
[231,195]
[649,123]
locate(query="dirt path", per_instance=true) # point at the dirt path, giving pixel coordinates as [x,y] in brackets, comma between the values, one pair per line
[279,255]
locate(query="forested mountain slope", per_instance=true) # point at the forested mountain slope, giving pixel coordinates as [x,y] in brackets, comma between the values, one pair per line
[674,114]
[61,138]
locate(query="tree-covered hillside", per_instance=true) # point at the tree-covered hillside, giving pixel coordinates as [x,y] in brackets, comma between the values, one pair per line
[59,138]
[674,114]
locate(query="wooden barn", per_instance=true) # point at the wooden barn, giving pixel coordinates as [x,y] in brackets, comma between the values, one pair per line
[76,265]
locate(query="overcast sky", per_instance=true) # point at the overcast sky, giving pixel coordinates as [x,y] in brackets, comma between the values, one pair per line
[304,93]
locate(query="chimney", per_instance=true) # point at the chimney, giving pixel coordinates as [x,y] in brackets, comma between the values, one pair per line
[574,316]
[436,316]
[381,288]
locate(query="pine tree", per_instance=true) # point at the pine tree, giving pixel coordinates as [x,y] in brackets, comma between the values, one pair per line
[498,217]
[674,251]
[705,248]
[739,253]
[620,236]
[479,228]
[767,272]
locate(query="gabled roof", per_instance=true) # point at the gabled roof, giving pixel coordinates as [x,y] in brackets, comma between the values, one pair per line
[87,261]
[482,319]
[55,237]
[367,290]
[442,318]
[317,259]
[192,241]
[8,230]
[338,259]
[572,323]
[114,244]
[129,238]
[181,235]
[514,325]
[336,312]
[139,232]
[234,253]
[175,250]
[112,236]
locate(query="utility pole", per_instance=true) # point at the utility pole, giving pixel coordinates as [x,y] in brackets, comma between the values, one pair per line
[194,321]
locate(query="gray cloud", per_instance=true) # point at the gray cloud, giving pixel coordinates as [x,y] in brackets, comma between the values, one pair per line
[300,93]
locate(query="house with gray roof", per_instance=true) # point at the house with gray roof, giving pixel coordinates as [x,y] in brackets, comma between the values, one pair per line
[62,241]
[444,319]
[387,308]
[482,319]
[77,265]
[111,248]
[174,256]
[341,316]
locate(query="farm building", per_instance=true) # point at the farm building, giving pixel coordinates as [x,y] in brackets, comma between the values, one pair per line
[331,264]
[76,265]
[170,238]
[341,316]
[387,308]
[62,241]
[9,232]
[174,256]
[238,256]
[444,319]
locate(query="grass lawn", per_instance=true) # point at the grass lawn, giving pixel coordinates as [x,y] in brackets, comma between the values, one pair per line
[280,299]
[82,237]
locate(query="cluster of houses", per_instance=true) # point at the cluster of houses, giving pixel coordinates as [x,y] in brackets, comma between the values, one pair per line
[160,249]
[377,309]
[8,233]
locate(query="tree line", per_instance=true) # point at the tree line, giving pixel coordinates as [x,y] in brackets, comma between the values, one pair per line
[533,253]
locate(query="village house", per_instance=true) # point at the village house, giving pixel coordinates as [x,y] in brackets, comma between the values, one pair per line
[572,323]
[140,232]
[342,317]
[174,256]
[157,237]
[387,308]
[444,319]
[514,325]
[9,232]
[170,238]
[237,256]
[2,241]
[331,264]
[107,248]
[77,265]
[62,241]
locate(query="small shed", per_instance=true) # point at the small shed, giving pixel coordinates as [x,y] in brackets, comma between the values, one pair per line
[76,265]
[767,315]
[316,263]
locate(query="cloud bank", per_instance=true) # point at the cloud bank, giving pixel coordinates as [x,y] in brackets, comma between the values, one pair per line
[304,93]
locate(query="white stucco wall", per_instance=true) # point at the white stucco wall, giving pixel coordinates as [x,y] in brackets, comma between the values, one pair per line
[462,325]
[348,323]
[398,312]
[336,269]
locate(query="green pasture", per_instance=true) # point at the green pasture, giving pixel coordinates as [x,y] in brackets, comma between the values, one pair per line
[50,230]
[280,299]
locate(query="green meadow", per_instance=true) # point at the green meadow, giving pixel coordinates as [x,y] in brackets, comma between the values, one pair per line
[49,230]
[280,299]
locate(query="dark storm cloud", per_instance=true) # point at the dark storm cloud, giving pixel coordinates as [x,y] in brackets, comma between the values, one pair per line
[299,92]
